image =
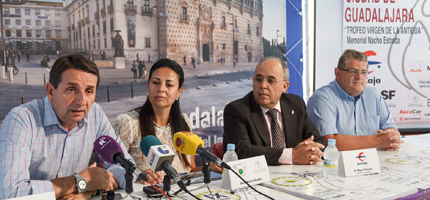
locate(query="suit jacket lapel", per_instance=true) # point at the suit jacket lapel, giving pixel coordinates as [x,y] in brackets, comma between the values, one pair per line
[288,121]
[259,121]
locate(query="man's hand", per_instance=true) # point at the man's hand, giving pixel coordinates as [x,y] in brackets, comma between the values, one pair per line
[153,177]
[308,152]
[99,178]
[388,139]
[216,168]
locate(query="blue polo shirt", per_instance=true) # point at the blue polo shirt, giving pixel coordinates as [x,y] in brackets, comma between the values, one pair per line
[334,111]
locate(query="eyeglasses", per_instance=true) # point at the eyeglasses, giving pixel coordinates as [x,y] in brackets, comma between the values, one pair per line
[355,72]
[270,80]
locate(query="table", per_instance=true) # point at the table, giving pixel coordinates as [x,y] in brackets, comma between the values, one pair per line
[403,172]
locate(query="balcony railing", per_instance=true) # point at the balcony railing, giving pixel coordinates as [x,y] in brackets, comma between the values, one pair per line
[130,8]
[147,11]
[110,9]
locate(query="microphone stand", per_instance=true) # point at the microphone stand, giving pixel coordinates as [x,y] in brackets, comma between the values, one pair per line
[206,170]
[166,184]
[129,182]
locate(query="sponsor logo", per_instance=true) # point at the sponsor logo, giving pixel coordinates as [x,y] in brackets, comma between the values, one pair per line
[392,105]
[415,70]
[374,81]
[388,94]
[414,111]
[416,64]
[428,103]
[361,156]
[416,103]
[410,118]
[162,150]
[178,142]
[152,159]
[372,63]
[427,114]
[102,141]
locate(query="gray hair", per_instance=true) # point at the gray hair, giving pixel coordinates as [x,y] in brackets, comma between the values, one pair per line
[284,66]
[350,54]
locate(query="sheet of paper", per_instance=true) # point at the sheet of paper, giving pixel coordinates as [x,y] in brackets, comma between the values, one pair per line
[315,185]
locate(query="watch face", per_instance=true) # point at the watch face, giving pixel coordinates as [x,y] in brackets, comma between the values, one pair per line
[82,184]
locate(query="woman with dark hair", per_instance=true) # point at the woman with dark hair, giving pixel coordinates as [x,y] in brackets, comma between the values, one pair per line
[160,116]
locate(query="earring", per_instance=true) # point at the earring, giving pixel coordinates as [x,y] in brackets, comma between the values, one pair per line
[177,98]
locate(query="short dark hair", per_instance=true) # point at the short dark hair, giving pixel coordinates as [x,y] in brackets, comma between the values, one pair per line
[350,54]
[74,61]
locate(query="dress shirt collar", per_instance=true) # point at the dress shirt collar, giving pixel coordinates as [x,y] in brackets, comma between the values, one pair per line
[277,107]
[343,94]
[50,117]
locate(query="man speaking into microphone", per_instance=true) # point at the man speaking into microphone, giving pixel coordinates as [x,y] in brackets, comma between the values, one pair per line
[46,144]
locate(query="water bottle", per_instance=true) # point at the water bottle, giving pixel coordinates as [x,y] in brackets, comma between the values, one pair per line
[230,155]
[331,158]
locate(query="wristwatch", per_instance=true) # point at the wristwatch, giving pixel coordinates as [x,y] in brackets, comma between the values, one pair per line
[81,183]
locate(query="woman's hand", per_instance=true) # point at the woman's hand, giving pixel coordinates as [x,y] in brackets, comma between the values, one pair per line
[152,177]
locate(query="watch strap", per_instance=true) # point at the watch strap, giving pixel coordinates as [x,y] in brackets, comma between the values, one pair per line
[78,179]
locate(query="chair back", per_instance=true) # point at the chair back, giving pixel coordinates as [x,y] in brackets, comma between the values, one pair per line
[218,149]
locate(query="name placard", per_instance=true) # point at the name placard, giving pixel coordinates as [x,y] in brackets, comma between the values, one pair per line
[254,170]
[358,162]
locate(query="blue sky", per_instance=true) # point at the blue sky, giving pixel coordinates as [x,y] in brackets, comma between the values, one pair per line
[274,19]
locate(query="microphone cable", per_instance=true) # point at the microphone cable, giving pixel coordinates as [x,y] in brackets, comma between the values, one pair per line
[184,188]
[250,185]
[160,190]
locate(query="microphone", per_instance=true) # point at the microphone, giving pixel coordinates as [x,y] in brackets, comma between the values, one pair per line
[158,156]
[189,143]
[110,151]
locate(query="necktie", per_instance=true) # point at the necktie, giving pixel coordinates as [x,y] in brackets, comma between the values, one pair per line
[277,136]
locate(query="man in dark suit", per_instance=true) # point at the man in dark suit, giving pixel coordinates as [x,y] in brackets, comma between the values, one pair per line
[270,122]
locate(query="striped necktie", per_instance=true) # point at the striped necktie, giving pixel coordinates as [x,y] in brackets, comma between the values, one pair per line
[277,136]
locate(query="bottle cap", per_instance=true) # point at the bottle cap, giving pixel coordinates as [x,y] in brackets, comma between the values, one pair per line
[231,146]
[331,141]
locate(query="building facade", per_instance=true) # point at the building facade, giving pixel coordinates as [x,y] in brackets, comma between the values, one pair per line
[205,30]
[211,30]
[38,27]
[93,24]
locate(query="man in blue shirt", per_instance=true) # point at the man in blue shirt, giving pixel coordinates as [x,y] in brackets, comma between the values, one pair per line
[46,144]
[354,114]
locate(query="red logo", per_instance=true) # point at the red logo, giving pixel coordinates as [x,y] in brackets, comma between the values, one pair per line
[361,156]
[178,142]
[415,70]
[401,118]
[372,53]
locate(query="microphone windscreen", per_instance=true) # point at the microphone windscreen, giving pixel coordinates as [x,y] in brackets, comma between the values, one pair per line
[147,142]
[187,142]
[106,147]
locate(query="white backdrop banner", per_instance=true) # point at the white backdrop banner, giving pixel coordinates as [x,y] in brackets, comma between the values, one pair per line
[394,35]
